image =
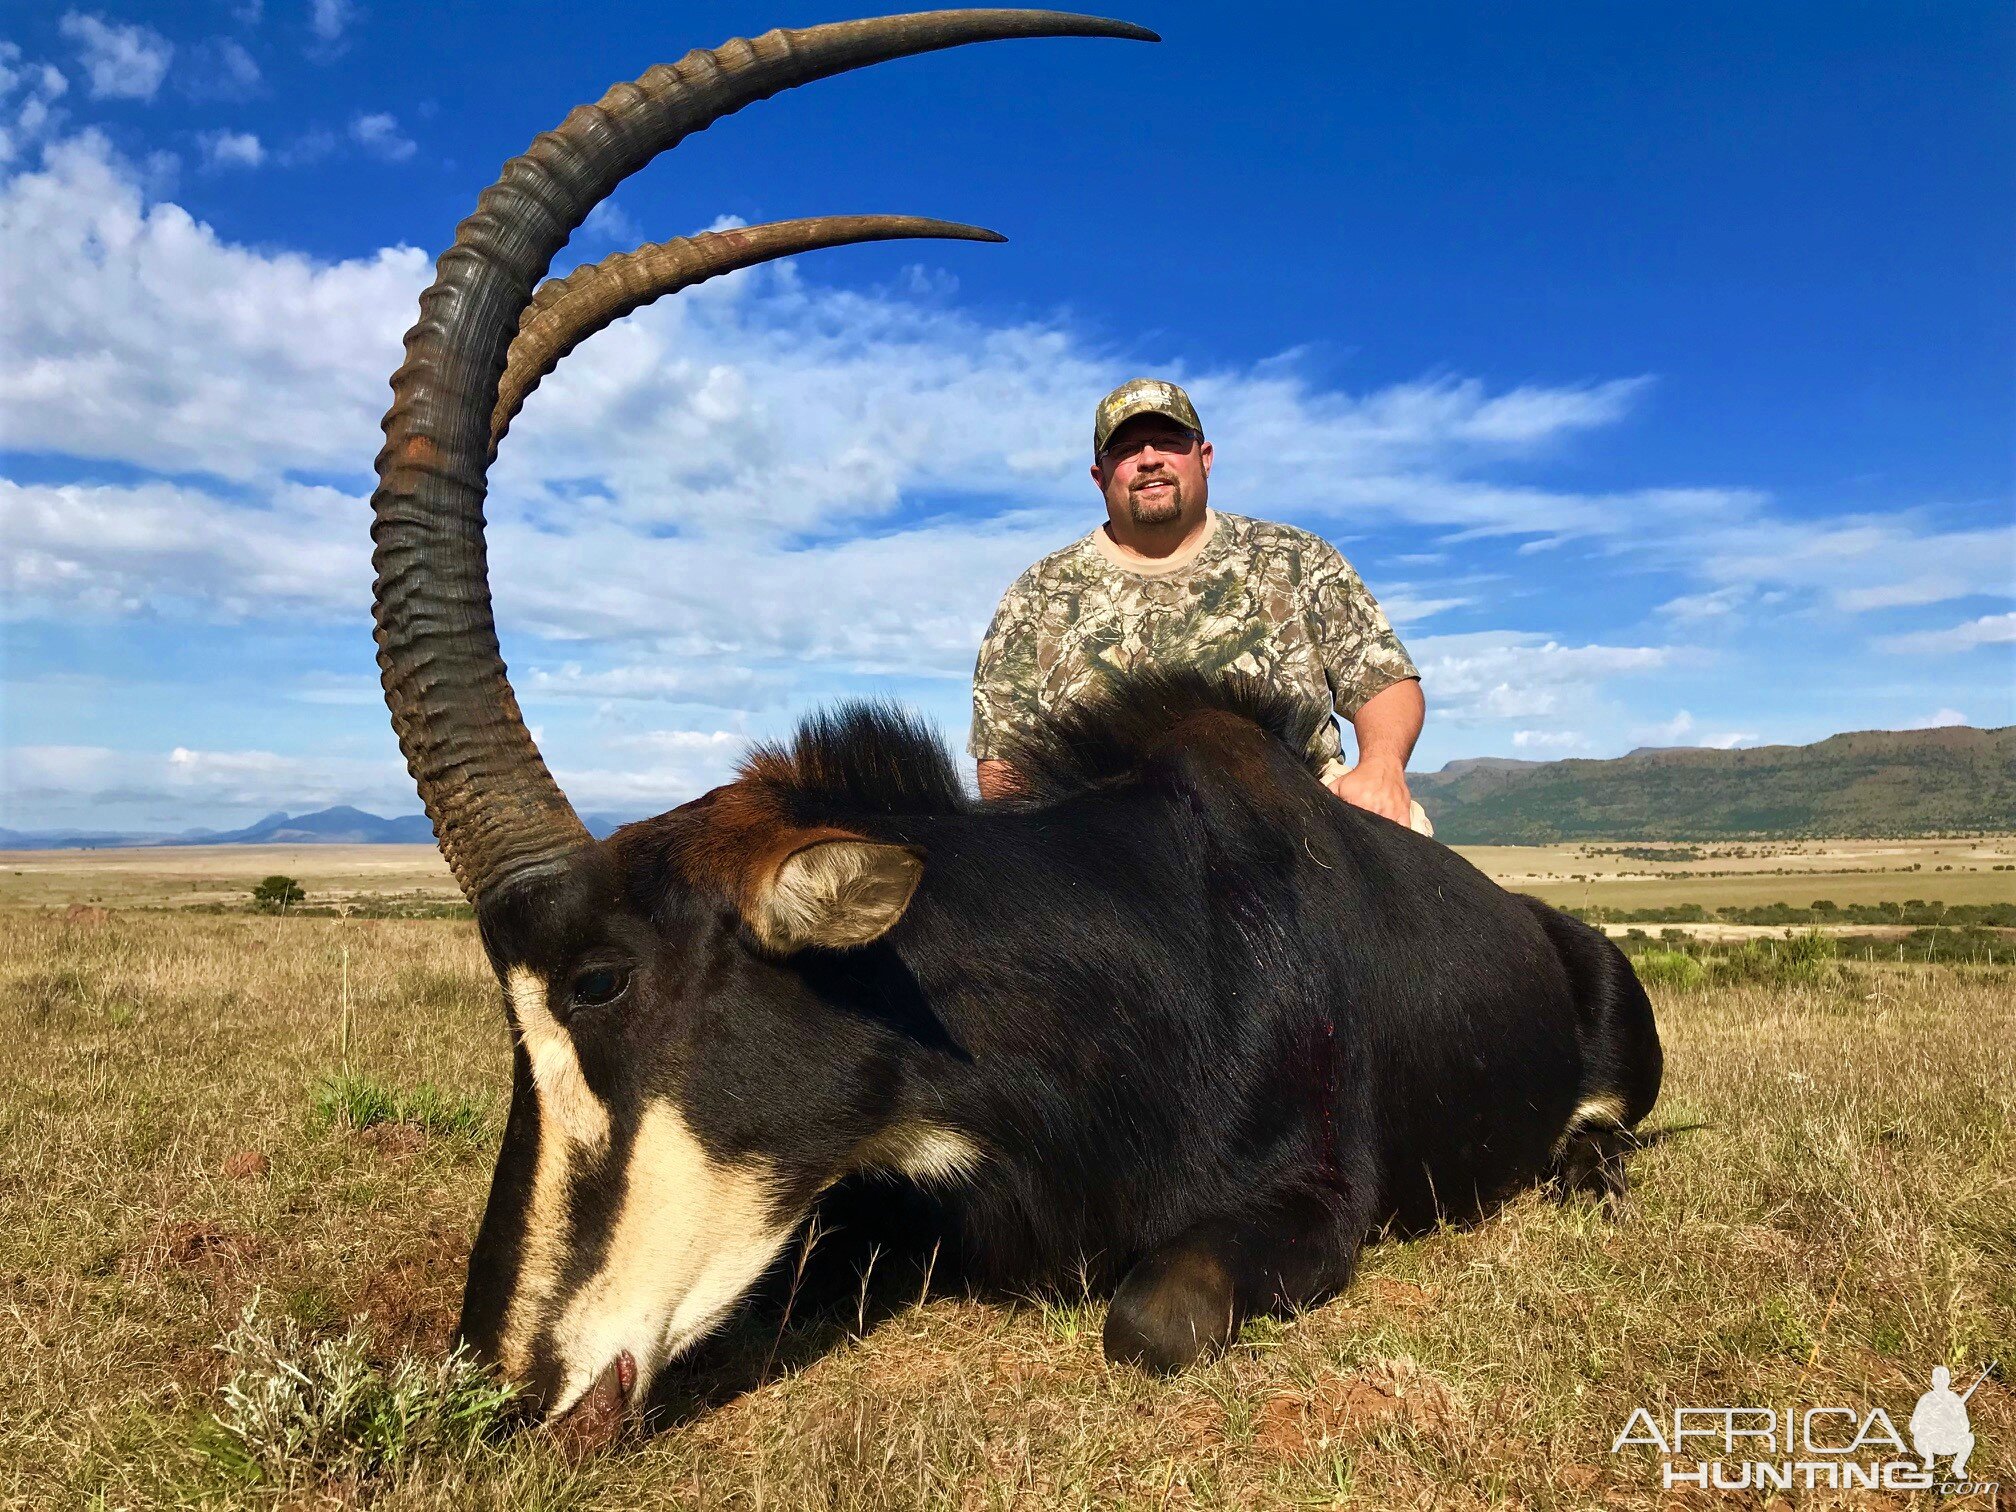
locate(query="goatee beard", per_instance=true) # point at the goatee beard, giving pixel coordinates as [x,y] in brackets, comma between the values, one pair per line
[1159,510]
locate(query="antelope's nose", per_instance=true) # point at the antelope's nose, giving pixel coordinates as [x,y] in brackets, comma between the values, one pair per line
[599,1418]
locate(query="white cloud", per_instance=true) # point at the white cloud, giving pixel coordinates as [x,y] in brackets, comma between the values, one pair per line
[1680,730]
[329,19]
[1940,720]
[378,134]
[1857,563]
[151,341]
[1718,603]
[753,406]
[609,222]
[95,785]
[1406,607]
[311,146]
[219,69]
[1988,630]
[156,548]
[1497,674]
[1670,733]
[667,682]
[28,96]
[122,62]
[660,770]
[231,149]
[1549,740]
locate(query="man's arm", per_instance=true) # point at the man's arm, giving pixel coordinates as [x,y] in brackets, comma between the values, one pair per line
[1388,723]
[998,779]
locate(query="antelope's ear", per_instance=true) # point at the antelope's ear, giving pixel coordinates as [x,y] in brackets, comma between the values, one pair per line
[834,894]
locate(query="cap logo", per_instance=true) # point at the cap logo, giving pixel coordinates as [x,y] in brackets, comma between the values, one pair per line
[1142,396]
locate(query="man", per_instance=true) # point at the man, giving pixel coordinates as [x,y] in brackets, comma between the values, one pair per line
[1167,581]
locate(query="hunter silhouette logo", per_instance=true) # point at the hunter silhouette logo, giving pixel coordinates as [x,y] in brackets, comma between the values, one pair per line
[1939,1423]
[1830,1447]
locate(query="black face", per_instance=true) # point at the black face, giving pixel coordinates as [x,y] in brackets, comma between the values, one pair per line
[681,1094]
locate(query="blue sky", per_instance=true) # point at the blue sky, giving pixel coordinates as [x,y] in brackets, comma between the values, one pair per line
[1653,363]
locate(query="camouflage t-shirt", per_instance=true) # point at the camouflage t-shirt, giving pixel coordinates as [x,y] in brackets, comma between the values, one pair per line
[1269,601]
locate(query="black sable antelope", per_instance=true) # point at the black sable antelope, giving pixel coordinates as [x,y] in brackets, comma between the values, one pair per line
[1175,1012]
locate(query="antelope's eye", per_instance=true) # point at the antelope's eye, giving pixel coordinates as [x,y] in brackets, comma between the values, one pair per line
[598,985]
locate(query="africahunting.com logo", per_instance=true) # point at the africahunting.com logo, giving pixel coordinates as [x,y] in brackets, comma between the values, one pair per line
[1813,1448]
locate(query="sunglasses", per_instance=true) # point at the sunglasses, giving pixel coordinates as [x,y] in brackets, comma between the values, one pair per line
[1173,443]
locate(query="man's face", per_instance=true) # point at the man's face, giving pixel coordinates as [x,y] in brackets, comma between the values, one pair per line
[1153,471]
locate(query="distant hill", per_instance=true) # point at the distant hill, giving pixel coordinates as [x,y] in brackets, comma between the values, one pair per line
[1873,782]
[341,825]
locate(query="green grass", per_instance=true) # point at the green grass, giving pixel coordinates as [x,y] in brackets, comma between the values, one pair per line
[1838,1216]
[352,1100]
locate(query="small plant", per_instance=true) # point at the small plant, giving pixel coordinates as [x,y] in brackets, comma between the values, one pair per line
[1670,968]
[296,1410]
[277,894]
[351,1100]
[440,1112]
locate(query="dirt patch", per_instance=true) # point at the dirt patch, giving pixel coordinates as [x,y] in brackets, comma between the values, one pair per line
[192,1245]
[395,1141]
[413,1302]
[1195,1423]
[1354,1405]
[245,1165]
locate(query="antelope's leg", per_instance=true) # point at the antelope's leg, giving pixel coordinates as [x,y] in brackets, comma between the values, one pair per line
[1185,1299]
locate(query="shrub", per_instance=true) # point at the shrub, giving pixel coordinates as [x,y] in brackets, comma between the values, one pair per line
[277,894]
[295,1410]
[1670,968]
[1801,959]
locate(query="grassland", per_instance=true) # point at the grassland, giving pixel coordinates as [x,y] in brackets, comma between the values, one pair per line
[1638,876]
[205,875]
[202,1109]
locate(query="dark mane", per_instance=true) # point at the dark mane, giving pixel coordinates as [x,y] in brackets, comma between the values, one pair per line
[1109,737]
[865,757]
[870,758]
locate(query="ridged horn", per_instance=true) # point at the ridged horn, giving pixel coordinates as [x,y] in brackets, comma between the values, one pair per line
[496,810]
[566,311]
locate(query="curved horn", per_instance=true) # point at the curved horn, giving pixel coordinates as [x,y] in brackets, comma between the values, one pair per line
[566,311]
[496,809]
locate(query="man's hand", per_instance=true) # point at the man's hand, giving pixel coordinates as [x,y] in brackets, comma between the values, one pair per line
[1377,785]
[998,779]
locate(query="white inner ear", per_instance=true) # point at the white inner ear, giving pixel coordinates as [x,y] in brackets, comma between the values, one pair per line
[836,893]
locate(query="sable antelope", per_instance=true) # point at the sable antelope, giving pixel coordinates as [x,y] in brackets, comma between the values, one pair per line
[1173,1013]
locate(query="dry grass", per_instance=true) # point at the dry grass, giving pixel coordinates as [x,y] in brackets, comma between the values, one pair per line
[1718,873]
[181,876]
[1845,1219]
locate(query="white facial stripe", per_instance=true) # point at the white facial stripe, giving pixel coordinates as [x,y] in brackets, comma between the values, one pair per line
[1608,1109]
[1604,1112]
[693,1235]
[571,1119]
[923,1152]
[565,1098]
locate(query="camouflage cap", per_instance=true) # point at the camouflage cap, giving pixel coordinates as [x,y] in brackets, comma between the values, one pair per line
[1141,396]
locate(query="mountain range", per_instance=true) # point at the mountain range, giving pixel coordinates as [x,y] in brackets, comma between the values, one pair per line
[341,825]
[1871,782]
